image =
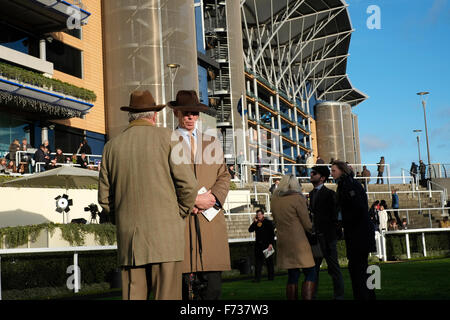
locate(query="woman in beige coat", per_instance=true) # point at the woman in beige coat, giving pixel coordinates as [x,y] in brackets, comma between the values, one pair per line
[291,218]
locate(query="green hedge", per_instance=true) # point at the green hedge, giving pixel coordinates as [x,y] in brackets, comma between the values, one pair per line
[72,232]
[43,270]
[438,243]
[37,79]
[6,179]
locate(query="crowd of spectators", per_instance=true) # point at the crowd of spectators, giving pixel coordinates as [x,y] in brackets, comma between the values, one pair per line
[43,157]
[382,219]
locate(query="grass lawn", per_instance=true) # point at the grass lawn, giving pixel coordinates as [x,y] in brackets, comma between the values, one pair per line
[399,281]
[413,280]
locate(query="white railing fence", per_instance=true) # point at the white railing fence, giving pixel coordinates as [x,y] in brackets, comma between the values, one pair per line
[75,250]
[381,241]
[38,165]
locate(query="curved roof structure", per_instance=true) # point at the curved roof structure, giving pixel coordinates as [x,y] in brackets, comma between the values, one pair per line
[301,47]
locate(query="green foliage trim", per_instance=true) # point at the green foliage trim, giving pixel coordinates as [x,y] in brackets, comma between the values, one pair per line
[18,236]
[37,79]
[6,179]
[73,233]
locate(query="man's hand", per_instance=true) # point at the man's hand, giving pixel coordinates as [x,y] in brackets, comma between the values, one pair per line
[196,210]
[269,247]
[205,200]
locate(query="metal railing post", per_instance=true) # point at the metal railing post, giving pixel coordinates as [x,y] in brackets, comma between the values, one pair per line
[424,245]
[75,273]
[408,250]
[429,217]
[389,177]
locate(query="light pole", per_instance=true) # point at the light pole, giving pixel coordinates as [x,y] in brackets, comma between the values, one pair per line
[418,140]
[424,103]
[173,69]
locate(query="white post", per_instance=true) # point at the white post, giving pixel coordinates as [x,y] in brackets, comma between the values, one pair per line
[244,140]
[408,251]
[75,272]
[389,176]
[384,246]
[424,245]
[403,177]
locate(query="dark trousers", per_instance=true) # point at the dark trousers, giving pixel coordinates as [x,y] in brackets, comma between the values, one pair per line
[331,257]
[357,267]
[380,178]
[399,221]
[208,286]
[259,261]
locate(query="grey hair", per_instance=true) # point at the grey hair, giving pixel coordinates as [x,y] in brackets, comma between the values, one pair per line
[139,115]
[288,184]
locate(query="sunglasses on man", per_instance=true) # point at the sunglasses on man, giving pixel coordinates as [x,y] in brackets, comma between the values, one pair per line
[189,113]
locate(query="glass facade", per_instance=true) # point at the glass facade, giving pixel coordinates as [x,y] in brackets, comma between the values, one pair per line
[13,128]
[65,58]
[18,40]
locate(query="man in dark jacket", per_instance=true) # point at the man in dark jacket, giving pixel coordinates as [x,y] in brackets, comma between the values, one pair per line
[423,172]
[274,186]
[82,161]
[84,147]
[41,156]
[359,232]
[264,240]
[322,203]
[413,171]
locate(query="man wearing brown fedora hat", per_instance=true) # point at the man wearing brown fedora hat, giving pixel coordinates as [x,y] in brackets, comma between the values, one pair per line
[207,252]
[149,195]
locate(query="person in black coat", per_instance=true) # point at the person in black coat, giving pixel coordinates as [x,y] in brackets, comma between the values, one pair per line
[274,186]
[373,215]
[359,231]
[265,236]
[41,156]
[84,147]
[322,205]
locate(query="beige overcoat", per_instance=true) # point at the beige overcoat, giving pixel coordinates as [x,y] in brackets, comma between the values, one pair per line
[291,218]
[148,193]
[212,173]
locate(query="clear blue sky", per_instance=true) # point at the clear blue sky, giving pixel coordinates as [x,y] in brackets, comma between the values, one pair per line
[410,53]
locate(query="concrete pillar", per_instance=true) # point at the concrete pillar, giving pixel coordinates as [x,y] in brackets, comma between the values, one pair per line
[44,134]
[42,50]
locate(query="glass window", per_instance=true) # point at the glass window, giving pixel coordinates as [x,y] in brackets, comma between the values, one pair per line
[74,32]
[18,40]
[10,129]
[65,58]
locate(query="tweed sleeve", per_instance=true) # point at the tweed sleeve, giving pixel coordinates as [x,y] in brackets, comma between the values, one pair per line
[186,185]
[105,192]
[222,185]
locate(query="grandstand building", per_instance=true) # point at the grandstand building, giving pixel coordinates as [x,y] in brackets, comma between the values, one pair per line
[51,74]
[273,72]
[275,68]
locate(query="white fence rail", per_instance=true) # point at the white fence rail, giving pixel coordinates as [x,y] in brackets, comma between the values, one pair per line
[75,250]
[381,240]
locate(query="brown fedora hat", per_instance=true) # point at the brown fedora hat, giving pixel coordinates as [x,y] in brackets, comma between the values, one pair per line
[187,100]
[142,101]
